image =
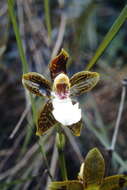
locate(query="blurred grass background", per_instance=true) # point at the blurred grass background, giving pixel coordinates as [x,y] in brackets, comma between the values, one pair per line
[45,26]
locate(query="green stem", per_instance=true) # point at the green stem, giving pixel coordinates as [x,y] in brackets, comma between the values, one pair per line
[47,17]
[109,36]
[33,109]
[60,142]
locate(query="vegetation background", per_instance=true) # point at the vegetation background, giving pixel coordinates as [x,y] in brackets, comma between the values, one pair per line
[45,27]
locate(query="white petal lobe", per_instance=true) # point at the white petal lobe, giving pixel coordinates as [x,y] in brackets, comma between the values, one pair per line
[65,112]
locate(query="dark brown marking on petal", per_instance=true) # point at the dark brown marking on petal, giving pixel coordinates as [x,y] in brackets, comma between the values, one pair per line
[46,119]
[122,182]
[58,64]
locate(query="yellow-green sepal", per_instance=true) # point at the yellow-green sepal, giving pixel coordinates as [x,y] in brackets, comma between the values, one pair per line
[66,185]
[94,168]
[115,182]
[82,82]
[36,84]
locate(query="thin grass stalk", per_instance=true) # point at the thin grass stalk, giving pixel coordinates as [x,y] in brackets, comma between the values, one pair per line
[42,151]
[103,142]
[27,139]
[53,166]
[16,182]
[17,35]
[121,107]
[109,37]
[47,17]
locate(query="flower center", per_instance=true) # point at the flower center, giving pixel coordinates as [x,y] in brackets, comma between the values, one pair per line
[61,86]
[62,90]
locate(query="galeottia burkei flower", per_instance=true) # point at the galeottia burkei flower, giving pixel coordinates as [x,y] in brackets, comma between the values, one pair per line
[91,176]
[60,106]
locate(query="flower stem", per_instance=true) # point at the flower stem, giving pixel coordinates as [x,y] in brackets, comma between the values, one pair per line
[60,142]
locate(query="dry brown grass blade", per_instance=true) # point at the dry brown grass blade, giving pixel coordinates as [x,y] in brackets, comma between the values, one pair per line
[16,128]
[74,145]
[60,37]
[53,165]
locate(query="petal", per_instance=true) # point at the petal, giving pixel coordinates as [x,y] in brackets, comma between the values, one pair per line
[36,83]
[45,119]
[82,82]
[61,86]
[66,185]
[58,64]
[76,128]
[94,168]
[114,182]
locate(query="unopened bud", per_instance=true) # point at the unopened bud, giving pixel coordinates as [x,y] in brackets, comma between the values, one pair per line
[60,140]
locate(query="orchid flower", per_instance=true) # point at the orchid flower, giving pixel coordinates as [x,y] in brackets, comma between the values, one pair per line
[60,106]
[91,176]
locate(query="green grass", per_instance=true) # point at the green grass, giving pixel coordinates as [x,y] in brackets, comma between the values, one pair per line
[109,37]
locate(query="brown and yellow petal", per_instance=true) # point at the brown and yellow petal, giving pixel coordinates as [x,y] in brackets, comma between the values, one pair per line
[94,168]
[36,84]
[116,182]
[58,64]
[76,128]
[45,119]
[82,82]
[66,185]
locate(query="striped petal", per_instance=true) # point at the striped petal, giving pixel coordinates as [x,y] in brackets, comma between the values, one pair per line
[94,168]
[76,128]
[66,185]
[45,119]
[58,64]
[116,182]
[36,84]
[82,82]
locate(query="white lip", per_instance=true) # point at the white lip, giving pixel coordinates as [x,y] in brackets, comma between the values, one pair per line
[65,112]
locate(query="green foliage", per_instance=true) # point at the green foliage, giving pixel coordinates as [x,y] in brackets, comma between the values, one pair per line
[108,38]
